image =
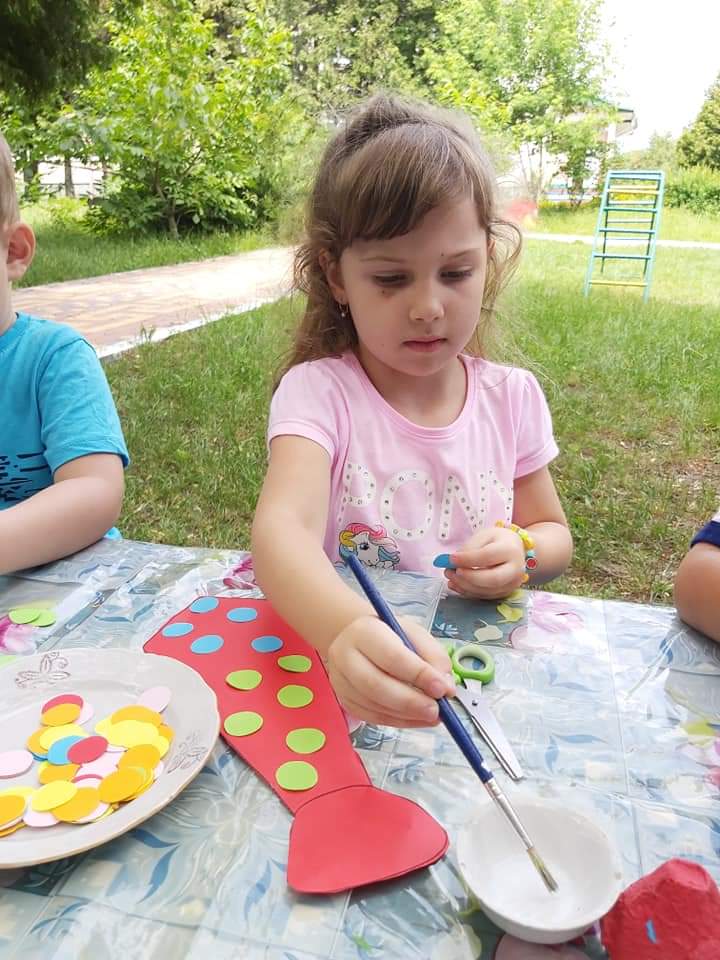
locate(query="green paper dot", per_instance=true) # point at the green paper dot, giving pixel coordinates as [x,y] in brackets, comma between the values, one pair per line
[296,775]
[45,619]
[243,723]
[293,695]
[295,664]
[305,740]
[24,614]
[244,679]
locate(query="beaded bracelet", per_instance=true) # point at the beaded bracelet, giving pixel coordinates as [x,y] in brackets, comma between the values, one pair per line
[528,544]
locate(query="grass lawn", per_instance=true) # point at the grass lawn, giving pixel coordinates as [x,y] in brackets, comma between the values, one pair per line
[67,251]
[676,223]
[633,388]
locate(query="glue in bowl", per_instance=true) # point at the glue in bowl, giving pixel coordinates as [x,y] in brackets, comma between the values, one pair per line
[501,875]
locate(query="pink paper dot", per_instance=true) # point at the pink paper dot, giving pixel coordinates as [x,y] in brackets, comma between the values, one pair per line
[62,698]
[15,762]
[156,698]
[33,818]
[86,714]
[88,779]
[87,750]
[101,767]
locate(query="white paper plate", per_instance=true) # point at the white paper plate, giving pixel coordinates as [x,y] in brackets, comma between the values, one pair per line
[499,872]
[108,679]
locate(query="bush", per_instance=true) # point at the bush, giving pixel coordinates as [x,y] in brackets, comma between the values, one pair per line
[697,188]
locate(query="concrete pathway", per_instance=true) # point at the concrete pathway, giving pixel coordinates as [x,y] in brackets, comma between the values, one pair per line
[117,311]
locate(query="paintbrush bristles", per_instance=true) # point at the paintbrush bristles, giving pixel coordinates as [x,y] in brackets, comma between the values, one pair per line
[539,864]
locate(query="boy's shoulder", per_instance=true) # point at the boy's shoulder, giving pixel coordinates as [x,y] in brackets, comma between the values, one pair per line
[41,335]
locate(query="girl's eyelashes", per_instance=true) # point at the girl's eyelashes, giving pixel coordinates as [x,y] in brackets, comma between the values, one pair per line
[396,279]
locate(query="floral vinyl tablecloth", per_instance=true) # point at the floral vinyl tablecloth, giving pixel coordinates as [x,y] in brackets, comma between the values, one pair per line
[613,709]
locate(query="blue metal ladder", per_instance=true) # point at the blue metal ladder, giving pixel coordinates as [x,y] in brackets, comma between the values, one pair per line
[636,192]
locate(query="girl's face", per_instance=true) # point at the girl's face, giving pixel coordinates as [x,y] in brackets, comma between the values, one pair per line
[415,299]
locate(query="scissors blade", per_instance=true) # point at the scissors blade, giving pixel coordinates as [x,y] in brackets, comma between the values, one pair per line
[490,730]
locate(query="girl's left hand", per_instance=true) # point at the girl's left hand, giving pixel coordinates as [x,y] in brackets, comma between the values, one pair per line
[489,566]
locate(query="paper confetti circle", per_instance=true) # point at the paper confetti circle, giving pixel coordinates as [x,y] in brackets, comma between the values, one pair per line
[296,775]
[61,698]
[243,723]
[244,679]
[15,762]
[266,644]
[86,750]
[294,695]
[204,604]
[242,614]
[210,643]
[177,629]
[61,714]
[305,740]
[295,663]
[52,795]
[156,698]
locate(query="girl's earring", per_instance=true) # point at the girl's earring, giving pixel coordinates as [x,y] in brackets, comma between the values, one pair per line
[344,310]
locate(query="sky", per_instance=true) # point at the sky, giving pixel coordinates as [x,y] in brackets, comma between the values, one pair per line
[666,56]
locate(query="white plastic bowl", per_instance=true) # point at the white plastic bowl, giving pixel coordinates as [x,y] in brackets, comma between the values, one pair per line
[499,872]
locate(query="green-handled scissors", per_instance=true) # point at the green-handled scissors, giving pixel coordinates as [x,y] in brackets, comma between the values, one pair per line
[470,682]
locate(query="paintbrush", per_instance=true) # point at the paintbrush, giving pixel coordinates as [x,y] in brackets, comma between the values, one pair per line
[455,727]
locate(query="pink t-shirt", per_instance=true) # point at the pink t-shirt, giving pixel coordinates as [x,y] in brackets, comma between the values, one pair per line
[401,493]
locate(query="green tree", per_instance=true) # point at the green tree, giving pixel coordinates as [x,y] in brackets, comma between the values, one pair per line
[699,146]
[531,67]
[345,49]
[194,138]
[660,154]
[46,45]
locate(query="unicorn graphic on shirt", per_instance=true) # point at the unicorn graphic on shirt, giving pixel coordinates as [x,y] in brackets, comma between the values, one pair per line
[373,547]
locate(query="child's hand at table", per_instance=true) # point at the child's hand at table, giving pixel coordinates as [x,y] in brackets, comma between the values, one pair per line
[376,678]
[489,566]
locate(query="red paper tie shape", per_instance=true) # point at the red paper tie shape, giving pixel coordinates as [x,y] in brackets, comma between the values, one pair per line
[671,914]
[346,832]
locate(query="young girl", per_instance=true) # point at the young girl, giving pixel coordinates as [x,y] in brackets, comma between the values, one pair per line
[390,436]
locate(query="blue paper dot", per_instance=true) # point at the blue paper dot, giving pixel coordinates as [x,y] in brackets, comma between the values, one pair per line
[207,644]
[242,614]
[177,629]
[58,752]
[204,604]
[266,644]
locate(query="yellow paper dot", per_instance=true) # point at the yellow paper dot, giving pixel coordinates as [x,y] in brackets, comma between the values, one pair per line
[81,805]
[122,784]
[18,791]
[50,772]
[52,795]
[61,715]
[52,734]
[33,743]
[8,830]
[103,727]
[145,755]
[162,745]
[137,712]
[12,806]
[165,731]
[146,784]
[130,733]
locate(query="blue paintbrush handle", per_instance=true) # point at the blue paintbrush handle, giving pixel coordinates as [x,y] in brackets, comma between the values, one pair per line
[447,714]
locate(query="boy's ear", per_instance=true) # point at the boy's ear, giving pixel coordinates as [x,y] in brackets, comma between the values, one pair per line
[20,250]
[333,274]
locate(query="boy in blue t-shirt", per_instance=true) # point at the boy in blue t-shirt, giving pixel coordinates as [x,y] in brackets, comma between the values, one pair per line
[697,583]
[62,452]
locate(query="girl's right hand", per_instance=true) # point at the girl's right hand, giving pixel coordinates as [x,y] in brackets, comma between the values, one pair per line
[377,679]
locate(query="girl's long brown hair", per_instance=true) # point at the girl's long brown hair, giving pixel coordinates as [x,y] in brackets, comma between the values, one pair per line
[392,162]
